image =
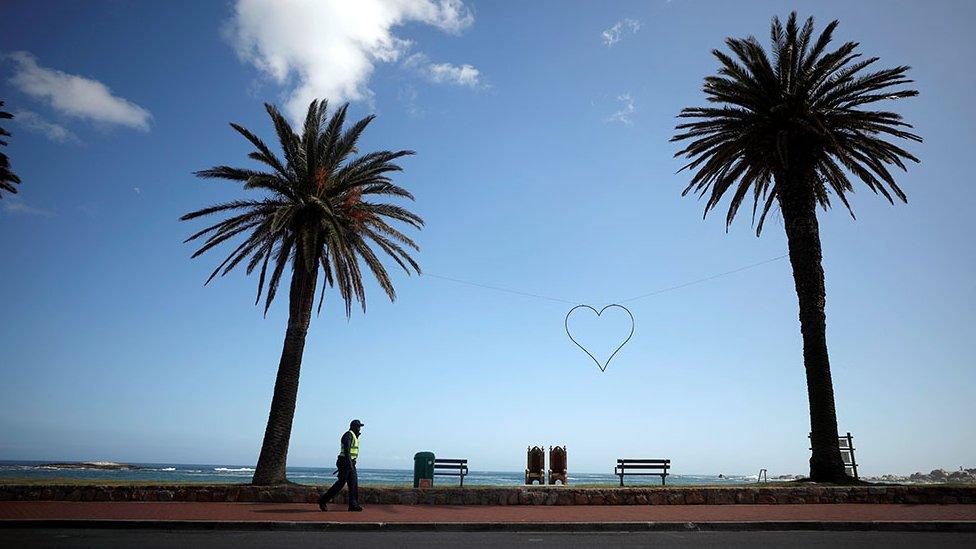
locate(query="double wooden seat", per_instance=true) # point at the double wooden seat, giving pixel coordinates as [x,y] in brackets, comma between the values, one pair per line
[642,467]
[451,468]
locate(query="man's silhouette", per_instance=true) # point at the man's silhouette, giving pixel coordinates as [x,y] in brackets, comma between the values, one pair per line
[346,464]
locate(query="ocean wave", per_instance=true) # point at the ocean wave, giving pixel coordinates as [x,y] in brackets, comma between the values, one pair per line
[234,470]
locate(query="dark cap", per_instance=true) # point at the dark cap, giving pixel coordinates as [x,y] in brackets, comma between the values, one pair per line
[356,423]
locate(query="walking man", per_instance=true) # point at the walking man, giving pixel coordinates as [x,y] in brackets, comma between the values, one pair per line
[346,464]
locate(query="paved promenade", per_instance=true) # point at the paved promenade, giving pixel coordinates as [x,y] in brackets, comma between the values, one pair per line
[482,514]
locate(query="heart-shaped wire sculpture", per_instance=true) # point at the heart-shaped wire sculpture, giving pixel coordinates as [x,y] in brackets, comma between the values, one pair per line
[603,367]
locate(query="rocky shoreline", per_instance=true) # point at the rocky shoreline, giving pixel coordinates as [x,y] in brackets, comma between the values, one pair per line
[936,476]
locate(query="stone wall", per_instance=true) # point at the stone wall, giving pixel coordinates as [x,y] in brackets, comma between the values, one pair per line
[504,495]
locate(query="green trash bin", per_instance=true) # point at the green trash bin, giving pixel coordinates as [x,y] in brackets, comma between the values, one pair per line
[423,467]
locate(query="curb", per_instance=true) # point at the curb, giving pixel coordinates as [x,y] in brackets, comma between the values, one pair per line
[309,526]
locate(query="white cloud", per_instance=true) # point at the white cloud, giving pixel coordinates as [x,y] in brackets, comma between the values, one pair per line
[408,96]
[16,206]
[74,95]
[444,73]
[137,190]
[328,48]
[33,122]
[623,114]
[448,15]
[613,35]
[465,75]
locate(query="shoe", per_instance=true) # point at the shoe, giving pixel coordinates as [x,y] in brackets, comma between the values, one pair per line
[356,509]
[323,506]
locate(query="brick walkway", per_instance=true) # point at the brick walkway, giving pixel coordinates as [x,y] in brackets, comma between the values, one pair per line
[478,514]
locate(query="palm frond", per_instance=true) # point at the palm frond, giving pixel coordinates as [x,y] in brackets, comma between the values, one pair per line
[794,117]
[7,178]
[315,213]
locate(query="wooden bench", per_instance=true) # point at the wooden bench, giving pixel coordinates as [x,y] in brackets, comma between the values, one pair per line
[642,467]
[451,468]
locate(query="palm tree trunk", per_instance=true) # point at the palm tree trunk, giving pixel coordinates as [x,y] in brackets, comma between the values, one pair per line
[798,205]
[270,469]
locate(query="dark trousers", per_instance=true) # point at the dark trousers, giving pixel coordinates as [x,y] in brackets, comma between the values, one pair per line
[347,475]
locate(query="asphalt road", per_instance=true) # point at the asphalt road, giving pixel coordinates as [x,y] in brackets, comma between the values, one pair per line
[149,539]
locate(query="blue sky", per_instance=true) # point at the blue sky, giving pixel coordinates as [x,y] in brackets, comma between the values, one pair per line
[542,165]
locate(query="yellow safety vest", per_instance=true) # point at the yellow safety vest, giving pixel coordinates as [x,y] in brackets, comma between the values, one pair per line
[353,448]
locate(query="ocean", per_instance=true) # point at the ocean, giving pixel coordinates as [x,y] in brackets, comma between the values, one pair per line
[181,472]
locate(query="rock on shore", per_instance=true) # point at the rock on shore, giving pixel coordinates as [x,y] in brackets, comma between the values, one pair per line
[936,476]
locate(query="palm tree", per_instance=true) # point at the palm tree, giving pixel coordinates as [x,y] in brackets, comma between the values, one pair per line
[314,215]
[7,178]
[791,131]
